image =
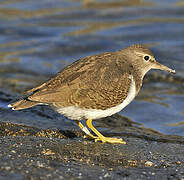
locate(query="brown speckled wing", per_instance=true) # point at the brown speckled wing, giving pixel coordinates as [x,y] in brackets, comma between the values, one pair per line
[92,82]
[103,95]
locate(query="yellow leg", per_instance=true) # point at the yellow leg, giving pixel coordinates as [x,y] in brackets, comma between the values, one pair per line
[101,137]
[85,129]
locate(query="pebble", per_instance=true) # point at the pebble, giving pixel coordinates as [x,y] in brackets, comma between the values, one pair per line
[148,163]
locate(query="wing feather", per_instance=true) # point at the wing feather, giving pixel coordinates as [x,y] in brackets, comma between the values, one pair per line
[92,82]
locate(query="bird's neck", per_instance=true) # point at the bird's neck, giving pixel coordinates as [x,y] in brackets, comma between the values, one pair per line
[138,78]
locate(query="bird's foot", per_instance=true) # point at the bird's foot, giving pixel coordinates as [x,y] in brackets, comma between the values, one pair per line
[100,137]
[110,140]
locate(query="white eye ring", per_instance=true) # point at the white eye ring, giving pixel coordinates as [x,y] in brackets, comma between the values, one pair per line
[147,58]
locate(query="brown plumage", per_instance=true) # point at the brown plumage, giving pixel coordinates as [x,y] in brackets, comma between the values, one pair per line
[90,82]
[95,86]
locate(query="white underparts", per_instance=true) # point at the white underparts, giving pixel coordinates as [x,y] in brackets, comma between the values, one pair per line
[76,113]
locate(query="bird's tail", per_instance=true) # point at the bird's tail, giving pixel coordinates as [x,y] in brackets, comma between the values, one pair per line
[23,104]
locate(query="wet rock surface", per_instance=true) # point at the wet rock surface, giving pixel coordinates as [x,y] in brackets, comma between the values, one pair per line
[32,153]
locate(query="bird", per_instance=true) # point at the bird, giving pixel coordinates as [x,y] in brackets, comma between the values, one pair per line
[95,87]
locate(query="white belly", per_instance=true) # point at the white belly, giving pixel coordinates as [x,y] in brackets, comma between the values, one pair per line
[76,113]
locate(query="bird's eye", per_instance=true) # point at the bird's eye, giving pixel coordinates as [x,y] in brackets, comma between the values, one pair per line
[146,58]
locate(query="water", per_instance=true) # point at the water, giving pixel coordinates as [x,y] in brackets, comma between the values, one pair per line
[37,39]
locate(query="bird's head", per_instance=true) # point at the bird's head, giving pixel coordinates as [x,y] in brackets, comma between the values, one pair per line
[142,57]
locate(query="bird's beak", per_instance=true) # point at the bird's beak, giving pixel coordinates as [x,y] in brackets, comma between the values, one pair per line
[159,66]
